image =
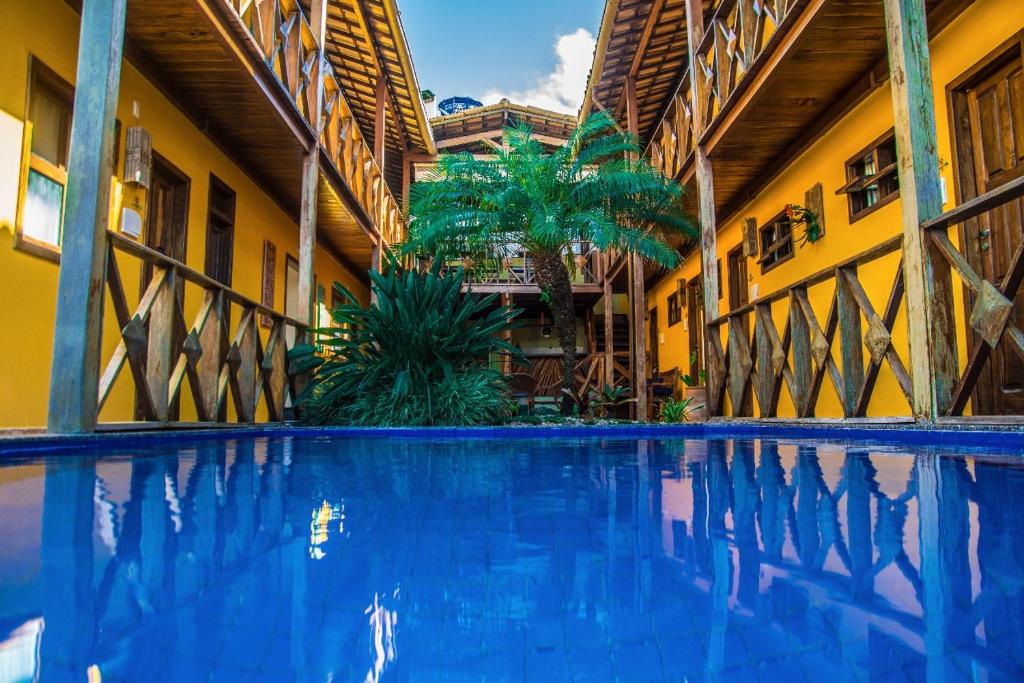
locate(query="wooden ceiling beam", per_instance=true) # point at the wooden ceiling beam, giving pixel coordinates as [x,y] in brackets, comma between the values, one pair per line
[375,61]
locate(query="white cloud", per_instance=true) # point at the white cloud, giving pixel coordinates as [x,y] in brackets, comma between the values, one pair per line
[561,90]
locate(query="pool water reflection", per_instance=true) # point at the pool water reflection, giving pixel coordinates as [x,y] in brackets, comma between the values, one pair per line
[317,559]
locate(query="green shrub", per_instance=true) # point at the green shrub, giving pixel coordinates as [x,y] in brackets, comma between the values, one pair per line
[416,357]
[673,411]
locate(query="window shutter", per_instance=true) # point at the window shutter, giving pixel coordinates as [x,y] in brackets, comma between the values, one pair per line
[750,237]
[814,201]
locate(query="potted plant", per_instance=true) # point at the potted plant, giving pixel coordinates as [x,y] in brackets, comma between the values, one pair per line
[695,393]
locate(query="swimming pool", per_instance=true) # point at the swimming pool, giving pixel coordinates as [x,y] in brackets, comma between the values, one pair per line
[352,558]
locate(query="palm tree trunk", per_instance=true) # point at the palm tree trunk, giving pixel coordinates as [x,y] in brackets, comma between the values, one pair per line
[553,278]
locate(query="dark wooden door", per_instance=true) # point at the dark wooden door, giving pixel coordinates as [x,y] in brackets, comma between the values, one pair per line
[739,295]
[167,232]
[167,219]
[652,335]
[695,326]
[995,105]
[220,232]
[739,291]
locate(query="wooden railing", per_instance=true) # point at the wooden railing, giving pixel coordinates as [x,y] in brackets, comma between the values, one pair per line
[993,313]
[672,144]
[162,351]
[585,263]
[350,154]
[288,46]
[588,374]
[804,354]
[283,35]
[736,40]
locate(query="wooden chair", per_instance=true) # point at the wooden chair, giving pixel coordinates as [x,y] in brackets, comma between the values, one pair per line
[524,389]
[662,387]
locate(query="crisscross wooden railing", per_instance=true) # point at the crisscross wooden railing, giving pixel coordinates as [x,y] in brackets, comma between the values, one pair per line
[284,37]
[588,374]
[735,42]
[584,262]
[993,313]
[803,354]
[347,148]
[736,36]
[162,351]
[673,143]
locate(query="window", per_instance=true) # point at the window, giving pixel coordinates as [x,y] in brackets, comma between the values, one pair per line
[675,311]
[45,172]
[872,180]
[220,231]
[776,240]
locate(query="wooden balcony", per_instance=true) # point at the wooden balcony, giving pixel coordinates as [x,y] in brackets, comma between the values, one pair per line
[771,78]
[252,75]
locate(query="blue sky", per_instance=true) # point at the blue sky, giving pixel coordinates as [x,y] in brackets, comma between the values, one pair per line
[535,52]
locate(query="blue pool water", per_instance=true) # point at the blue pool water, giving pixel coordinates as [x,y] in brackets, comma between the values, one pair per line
[365,559]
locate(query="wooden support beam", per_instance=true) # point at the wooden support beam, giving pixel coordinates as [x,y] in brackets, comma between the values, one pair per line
[609,330]
[930,312]
[637,287]
[78,332]
[705,186]
[407,180]
[307,235]
[380,121]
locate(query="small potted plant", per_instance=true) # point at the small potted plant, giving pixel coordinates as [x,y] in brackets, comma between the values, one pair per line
[802,217]
[695,393]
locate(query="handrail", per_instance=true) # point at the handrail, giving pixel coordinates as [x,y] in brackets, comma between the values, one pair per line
[191,275]
[879,250]
[973,208]
[282,34]
[162,351]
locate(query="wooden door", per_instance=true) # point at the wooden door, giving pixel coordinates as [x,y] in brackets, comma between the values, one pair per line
[739,296]
[167,218]
[220,232]
[695,326]
[166,232]
[652,336]
[995,109]
[291,295]
[739,291]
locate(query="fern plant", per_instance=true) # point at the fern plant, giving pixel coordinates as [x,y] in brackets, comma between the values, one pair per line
[594,189]
[418,356]
[608,400]
[673,411]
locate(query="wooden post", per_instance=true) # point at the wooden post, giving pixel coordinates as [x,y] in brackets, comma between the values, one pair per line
[506,360]
[930,313]
[638,293]
[78,332]
[850,345]
[609,325]
[705,188]
[375,261]
[380,121]
[406,182]
[307,234]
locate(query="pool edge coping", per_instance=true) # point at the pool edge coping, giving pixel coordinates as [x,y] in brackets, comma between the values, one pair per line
[981,436]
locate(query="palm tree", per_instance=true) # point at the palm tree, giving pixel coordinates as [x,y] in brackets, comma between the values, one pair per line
[593,189]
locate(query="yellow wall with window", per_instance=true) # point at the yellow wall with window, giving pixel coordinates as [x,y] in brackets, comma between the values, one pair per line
[48,30]
[968,40]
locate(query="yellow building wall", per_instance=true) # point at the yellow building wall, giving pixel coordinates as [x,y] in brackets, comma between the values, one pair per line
[968,40]
[48,29]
